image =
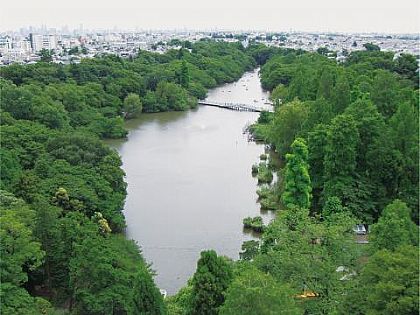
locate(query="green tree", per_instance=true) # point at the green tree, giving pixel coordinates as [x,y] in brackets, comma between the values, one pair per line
[16,101]
[16,300]
[171,96]
[20,251]
[388,284]
[332,206]
[210,281]
[184,76]
[301,86]
[323,51]
[320,111]
[20,255]
[303,252]
[384,92]
[297,183]
[317,140]
[406,65]
[404,126]
[179,304]
[102,269]
[254,292]
[340,156]
[326,84]
[370,124]
[371,47]
[10,170]
[69,232]
[341,94]
[46,55]
[278,95]
[287,123]
[394,228]
[132,105]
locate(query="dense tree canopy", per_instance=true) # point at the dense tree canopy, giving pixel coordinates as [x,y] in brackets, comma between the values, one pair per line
[360,120]
[347,132]
[63,189]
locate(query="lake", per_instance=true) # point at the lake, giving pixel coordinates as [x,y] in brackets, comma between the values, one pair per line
[189,181]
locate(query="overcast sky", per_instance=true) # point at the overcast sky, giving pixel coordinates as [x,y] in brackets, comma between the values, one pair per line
[385,16]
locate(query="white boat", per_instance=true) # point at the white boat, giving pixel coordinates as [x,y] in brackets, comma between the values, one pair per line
[163,292]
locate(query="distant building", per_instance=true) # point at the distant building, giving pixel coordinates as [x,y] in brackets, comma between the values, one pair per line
[39,42]
[5,43]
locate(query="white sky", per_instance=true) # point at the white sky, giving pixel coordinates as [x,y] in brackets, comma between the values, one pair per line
[385,16]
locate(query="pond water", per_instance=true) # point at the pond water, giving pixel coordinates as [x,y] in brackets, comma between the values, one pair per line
[189,181]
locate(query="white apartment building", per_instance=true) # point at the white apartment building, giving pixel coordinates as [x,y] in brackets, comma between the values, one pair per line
[39,42]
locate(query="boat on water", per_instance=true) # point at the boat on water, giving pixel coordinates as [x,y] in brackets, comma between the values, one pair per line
[163,292]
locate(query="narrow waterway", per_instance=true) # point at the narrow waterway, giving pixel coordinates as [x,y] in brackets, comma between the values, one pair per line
[189,182]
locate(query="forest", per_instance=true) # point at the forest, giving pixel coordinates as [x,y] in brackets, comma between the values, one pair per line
[62,189]
[347,138]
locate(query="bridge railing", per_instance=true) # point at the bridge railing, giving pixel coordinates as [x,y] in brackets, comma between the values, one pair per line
[236,106]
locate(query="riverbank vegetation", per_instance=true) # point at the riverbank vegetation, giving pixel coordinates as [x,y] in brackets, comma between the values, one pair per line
[256,224]
[262,172]
[348,138]
[63,190]
[268,197]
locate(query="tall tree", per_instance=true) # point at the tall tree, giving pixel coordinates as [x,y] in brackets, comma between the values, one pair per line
[326,84]
[210,281]
[405,125]
[288,122]
[297,187]
[340,156]
[317,140]
[341,94]
[370,124]
[384,93]
[301,86]
[184,76]
[278,95]
[132,105]
[394,228]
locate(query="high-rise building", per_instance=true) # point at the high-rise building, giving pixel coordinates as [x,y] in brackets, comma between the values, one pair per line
[39,42]
[5,43]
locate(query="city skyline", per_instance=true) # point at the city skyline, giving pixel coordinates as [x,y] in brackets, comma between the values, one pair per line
[301,15]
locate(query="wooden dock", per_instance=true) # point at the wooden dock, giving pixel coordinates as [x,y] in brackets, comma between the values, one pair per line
[235,106]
